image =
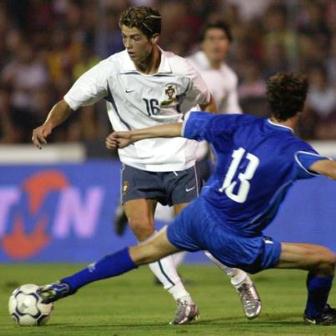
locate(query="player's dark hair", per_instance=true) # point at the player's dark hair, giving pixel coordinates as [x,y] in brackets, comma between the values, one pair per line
[216,25]
[146,19]
[286,94]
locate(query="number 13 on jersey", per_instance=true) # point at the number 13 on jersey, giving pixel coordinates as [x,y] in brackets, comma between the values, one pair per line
[243,178]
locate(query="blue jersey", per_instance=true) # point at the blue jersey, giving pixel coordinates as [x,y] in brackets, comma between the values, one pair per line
[257,161]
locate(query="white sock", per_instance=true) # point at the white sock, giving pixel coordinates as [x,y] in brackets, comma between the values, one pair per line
[178,258]
[177,291]
[236,275]
[165,271]
[239,277]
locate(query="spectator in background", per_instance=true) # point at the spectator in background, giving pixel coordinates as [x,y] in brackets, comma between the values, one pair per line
[275,59]
[24,75]
[331,62]
[181,26]
[251,9]
[313,33]
[252,89]
[57,57]
[86,60]
[276,35]
[7,132]
[252,84]
[210,62]
[313,23]
[321,100]
[108,38]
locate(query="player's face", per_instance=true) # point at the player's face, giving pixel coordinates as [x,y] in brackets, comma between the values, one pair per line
[137,44]
[215,44]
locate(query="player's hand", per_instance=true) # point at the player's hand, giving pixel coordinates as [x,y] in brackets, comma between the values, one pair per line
[40,135]
[118,140]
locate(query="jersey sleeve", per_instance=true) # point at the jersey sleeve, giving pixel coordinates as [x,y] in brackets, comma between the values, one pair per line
[206,126]
[89,88]
[195,125]
[305,156]
[197,91]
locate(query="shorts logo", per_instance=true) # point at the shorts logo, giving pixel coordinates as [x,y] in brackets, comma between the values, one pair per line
[125,187]
[91,267]
[189,189]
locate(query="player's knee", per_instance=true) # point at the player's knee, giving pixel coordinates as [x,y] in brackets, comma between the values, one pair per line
[327,262]
[141,228]
[139,254]
[145,253]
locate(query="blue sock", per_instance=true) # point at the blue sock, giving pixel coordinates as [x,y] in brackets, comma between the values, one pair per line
[318,292]
[107,267]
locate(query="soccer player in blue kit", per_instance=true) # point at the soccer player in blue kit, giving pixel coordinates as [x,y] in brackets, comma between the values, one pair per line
[258,159]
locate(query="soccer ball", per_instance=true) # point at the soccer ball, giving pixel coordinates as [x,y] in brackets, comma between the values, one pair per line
[26,308]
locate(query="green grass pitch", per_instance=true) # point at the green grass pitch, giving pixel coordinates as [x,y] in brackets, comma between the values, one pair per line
[132,305]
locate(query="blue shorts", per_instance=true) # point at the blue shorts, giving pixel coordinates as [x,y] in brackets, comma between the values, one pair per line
[195,230]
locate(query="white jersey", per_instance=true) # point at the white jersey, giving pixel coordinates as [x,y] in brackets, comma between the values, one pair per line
[136,100]
[222,83]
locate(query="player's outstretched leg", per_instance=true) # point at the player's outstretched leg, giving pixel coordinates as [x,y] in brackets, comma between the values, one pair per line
[245,287]
[109,266]
[118,263]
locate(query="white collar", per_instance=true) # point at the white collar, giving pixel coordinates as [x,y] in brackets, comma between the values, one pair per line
[279,125]
[164,67]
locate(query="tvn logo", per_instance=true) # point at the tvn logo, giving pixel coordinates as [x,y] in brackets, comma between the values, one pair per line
[45,207]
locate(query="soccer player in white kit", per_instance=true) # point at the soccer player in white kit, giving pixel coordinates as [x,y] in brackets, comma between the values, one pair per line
[145,86]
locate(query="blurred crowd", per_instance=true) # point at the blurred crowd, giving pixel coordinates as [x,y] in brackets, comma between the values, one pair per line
[46,44]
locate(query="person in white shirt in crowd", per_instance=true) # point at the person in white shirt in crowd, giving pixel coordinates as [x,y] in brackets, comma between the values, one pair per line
[215,40]
[210,62]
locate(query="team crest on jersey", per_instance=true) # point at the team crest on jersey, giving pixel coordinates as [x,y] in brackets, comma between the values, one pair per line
[170,93]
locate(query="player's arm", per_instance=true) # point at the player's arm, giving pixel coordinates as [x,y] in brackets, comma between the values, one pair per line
[324,167]
[87,90]
[123,139]
[57,115]
[196,126]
